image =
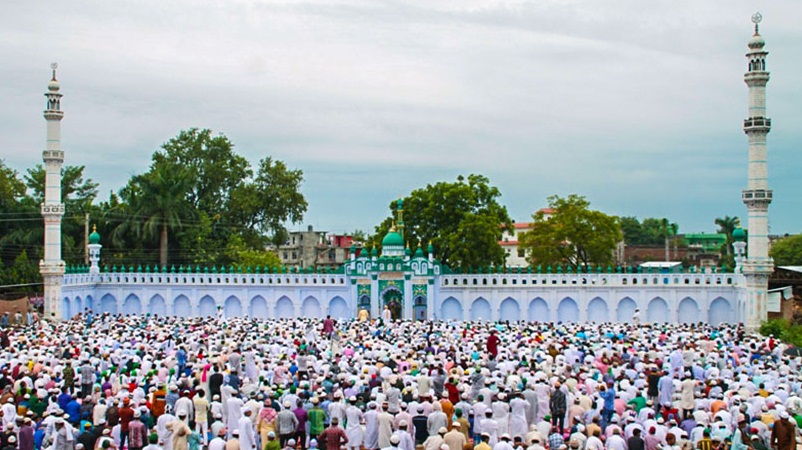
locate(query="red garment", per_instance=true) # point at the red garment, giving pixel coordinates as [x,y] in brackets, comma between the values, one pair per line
[492,344]
[126,415]
[334,438]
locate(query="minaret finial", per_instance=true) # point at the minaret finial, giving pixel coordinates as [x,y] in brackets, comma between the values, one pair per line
[54,66]
[756,19]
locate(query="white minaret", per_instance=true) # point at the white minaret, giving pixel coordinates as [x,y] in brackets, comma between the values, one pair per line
[52,267]
[758,266]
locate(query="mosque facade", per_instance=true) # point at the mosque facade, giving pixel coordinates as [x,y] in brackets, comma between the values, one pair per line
[417,286]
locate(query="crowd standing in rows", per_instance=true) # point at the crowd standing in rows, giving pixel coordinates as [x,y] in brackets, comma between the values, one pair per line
[155,383]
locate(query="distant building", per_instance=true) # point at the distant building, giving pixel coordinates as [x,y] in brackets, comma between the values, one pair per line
[515,256]
[315,249]
[705,242]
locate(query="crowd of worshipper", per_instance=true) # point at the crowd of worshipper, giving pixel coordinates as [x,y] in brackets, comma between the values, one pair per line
[100,381]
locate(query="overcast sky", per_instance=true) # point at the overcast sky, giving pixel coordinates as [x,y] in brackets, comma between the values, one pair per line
[637,105]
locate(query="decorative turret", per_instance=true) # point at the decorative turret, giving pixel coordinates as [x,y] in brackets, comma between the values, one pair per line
[94,251]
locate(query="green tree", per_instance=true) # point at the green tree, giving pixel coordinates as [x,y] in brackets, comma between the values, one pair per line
[216,197]
[157,202]
[632,230]
[271,199]
[726,225]
[787,251]
[445,214]
[243,257]
[574,235]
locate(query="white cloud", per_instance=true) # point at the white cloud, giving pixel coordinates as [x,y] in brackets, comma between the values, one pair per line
[636,105]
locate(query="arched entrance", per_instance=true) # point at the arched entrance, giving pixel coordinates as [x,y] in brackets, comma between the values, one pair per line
[451,309]
[310,308]
[259,307]
[539,311]
[626,309]
[419,308]
[393,298]
[480,310]
[568,311]
[689,311]
[658,311]
[720,312]
[206,307]
[510,310]
[598,311]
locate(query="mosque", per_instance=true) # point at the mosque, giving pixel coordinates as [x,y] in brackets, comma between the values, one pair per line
[417,286]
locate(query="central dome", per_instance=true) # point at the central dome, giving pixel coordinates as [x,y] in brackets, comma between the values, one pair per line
[392,238]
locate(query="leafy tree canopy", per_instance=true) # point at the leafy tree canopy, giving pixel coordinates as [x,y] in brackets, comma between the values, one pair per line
[573,235]
[787,251]
[463,220]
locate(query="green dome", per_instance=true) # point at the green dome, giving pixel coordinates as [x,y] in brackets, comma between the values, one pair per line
[94,238]
[393,238]
[739,234]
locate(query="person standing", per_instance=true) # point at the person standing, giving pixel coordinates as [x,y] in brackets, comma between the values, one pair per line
[636,442]
[492,344]
[317,419]
[300,430]
[137,433]
[353,425]
[201,407]
[286,423]
[783,435]
[247,436]
[557,406]
[333,437]
[126,414]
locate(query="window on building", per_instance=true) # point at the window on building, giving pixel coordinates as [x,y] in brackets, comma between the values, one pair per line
[521,253]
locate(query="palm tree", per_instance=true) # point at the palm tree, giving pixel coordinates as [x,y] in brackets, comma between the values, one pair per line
[161,203]
[726,225]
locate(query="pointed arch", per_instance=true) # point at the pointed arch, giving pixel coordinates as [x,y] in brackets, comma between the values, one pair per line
[259,308]
[284,308]
[510,310]
[338,308]
[310,307]
[539,311]
[720,312]
[480,310]
[598,311]
[688,311]
[568,311]
[108,304]
[625,310]
[182,307]
[66,310]
[207,307]
[232,307]
[77,306]
[132,305]
[451,309]
[157,306]
[657,311]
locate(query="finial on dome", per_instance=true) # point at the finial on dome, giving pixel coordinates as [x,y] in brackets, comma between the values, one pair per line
[756,19]
[54,66]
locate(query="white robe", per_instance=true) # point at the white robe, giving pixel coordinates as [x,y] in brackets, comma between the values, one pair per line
[247,437]
[353,429]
